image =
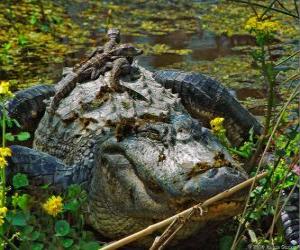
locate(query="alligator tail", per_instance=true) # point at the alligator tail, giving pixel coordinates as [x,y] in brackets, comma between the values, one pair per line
[206,99]
[41,167]
[290,217]
[28,106]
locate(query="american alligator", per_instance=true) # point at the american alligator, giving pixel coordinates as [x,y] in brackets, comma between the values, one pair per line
[92,68]
[141,157]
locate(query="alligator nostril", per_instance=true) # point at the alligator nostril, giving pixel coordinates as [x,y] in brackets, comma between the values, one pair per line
[232,171]
[212,172]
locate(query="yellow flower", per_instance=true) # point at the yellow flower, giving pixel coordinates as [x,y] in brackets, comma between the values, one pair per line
[217,124]
[4,89]
[4,152]
[53,205]
[3,162]
[254,24]
[3,211]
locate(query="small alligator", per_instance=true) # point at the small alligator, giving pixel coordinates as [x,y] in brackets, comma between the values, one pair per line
[91,69]
[140,161]
[114,39]
[98,64]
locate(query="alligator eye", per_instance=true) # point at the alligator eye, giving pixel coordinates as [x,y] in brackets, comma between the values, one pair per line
[183,130]
[183,134]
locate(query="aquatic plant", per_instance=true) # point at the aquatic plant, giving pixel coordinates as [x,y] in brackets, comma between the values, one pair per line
[23,224]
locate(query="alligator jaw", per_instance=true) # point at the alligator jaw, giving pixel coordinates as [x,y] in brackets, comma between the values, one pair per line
[219,211]
[186,192]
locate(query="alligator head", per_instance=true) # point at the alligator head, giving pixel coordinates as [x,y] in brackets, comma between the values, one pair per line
[159,170]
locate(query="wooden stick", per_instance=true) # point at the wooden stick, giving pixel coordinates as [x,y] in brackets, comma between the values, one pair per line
[152,228]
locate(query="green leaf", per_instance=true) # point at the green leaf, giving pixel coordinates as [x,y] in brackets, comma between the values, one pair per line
[9,137]
[37,246]
[7,46]
[17,218]
[45,28]
[46,186]
[20,180]
[9,123]
[73,191]
[67,242]
[33,20]
[35,235]
[28,229]
[225,242]
[92,245]
[62,228]
[22,40]
[23,136]
[72,206]
[42,236]
[23,201]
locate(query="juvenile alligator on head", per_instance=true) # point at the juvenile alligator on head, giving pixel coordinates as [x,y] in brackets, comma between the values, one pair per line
[138,152]
[97,64]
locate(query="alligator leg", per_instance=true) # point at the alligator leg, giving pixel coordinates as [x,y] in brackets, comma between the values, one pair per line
[28,106]
[206,99]
[95,73]
[291,219]
[41,167]
[117,70]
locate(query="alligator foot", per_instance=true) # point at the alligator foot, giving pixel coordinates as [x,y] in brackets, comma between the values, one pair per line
[40,166]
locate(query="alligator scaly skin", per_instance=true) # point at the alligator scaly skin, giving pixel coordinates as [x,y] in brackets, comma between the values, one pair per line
[32,100]
[114,39]
[290,217]
[67,84]
[116,72]
[206,98]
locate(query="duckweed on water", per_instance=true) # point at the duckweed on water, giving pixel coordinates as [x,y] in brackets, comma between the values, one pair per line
[230,18]
[33,38]
[159,49]
[226,69]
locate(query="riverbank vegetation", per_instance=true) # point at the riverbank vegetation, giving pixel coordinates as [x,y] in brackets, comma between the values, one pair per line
[251,48]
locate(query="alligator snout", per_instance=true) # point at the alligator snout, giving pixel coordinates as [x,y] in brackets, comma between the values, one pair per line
[212,182]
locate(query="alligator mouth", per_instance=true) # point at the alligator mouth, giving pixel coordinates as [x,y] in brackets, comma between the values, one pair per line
[219,211]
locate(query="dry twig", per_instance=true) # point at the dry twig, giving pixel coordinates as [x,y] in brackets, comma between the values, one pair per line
[152,228]
[160,242]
